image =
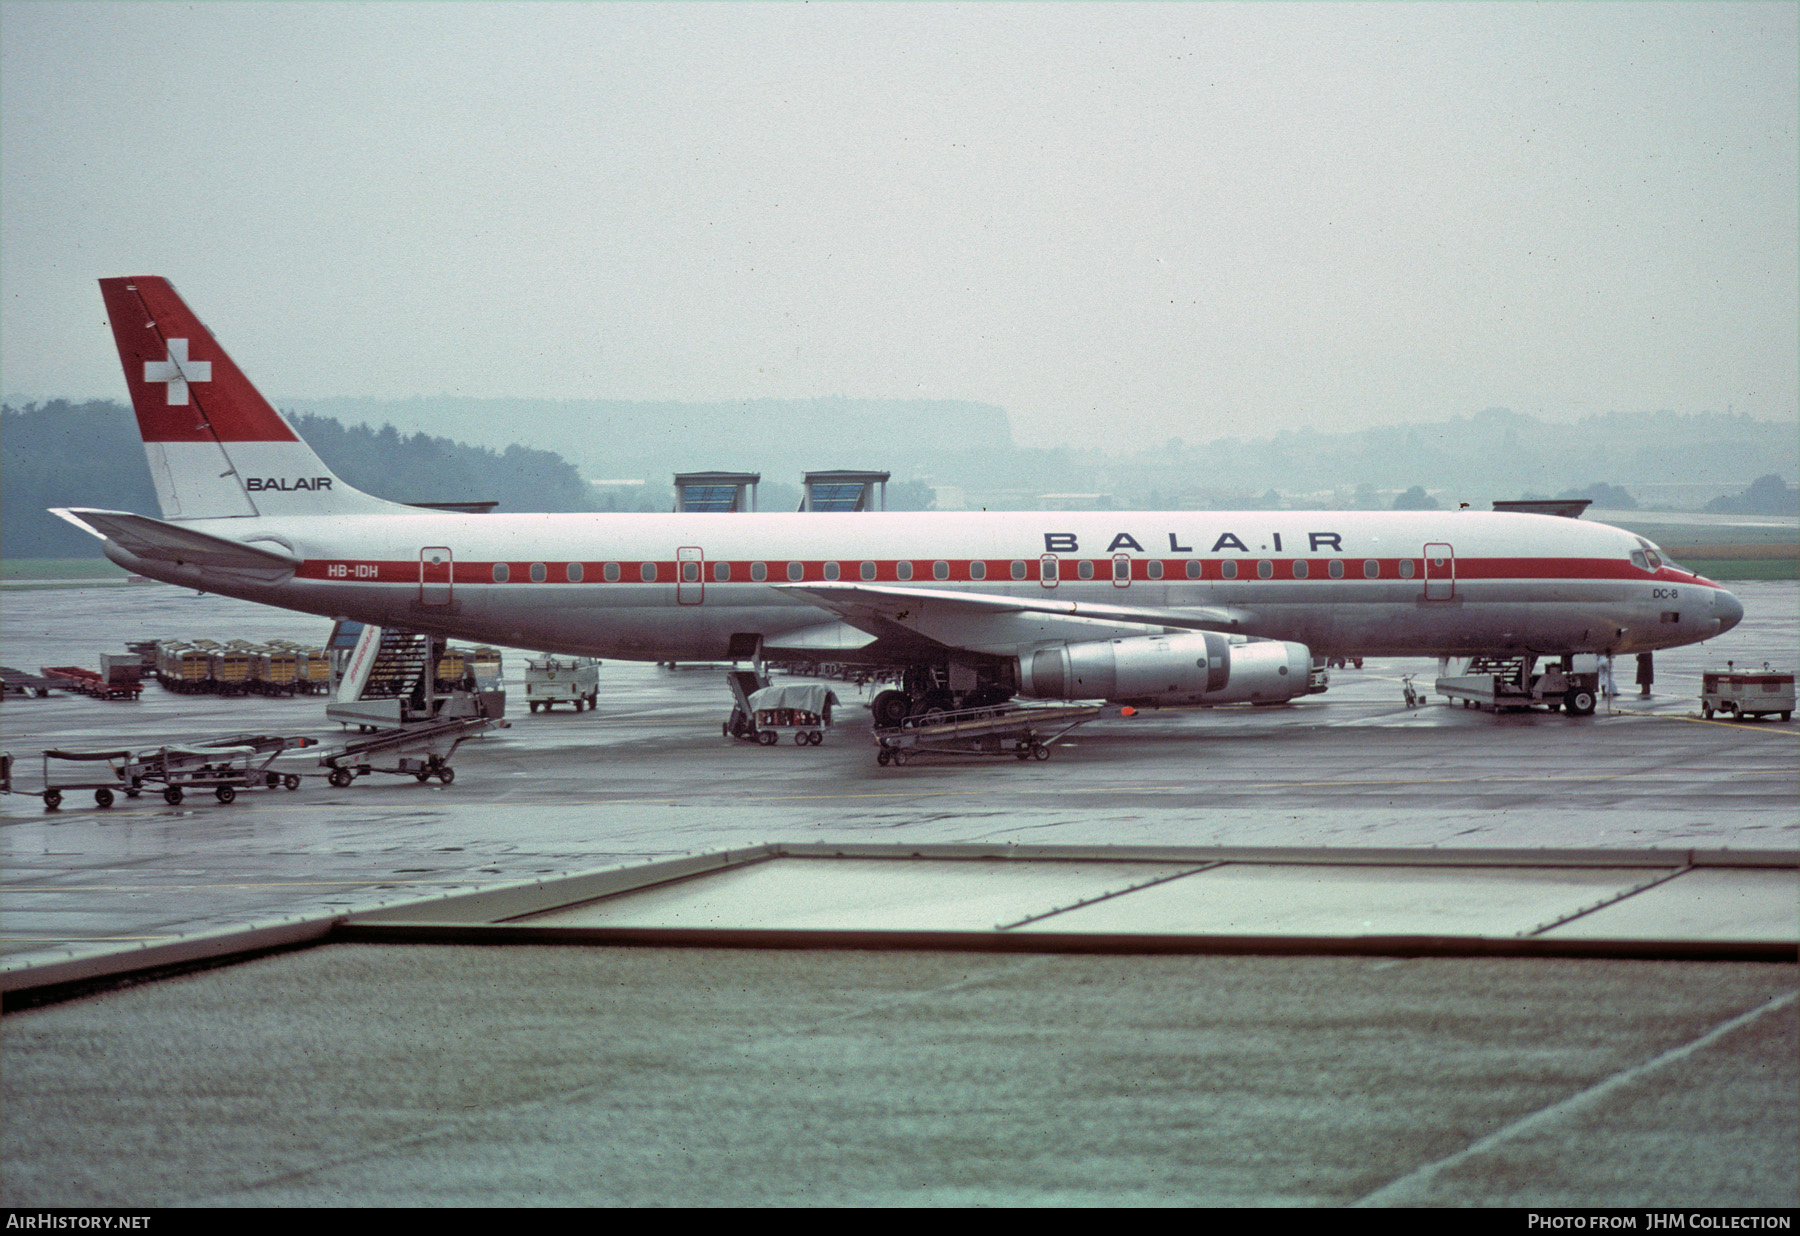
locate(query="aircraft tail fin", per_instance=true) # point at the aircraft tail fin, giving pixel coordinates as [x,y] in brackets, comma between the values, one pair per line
[216,447]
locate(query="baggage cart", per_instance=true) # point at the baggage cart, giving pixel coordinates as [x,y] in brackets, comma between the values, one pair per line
[800,709]
[106,773]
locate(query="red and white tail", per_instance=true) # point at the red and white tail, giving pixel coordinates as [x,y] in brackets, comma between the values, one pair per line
[216,446]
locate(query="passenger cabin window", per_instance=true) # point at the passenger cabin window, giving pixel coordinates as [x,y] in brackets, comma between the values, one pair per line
[1301,570]
[1121,568]
[796,572]
[1193,568]
[903,570]
[868,570]
[759,572]
[502,572]
[1019,570]
[573,572]
[647,572]
[690,572]
[1265,570]
[940,570]
[831,570]
[1406,568]
[1153,569]
[610,572]
[1084,569]
[1228,570]
[721,571]
[978,570]
[1371,569]
[1336,569]
[538,573]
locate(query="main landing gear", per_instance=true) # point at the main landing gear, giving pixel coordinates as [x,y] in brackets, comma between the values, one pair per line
[928,690]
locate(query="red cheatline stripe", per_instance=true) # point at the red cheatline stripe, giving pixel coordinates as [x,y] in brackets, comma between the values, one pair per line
[997,571]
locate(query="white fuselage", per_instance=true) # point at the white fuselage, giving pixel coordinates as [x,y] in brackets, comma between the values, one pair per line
[682,586]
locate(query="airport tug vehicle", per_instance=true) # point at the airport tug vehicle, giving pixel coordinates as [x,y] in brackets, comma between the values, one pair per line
[1747,693]
[553,680]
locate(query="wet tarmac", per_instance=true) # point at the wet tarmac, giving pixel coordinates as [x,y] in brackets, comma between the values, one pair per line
[375,1073]
[649,775]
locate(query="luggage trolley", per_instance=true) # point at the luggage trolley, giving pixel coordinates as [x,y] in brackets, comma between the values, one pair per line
[1023,733]
[222,765]
[763,713]
[106,773]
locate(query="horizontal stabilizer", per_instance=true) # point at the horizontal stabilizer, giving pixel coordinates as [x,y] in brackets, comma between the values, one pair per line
[143,537]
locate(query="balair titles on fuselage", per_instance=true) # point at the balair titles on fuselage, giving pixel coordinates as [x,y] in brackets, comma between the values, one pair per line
[1069,543]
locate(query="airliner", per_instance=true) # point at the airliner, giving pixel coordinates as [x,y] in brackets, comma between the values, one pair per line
[1158,608]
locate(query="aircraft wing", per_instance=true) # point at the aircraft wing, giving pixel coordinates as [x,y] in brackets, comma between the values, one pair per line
[991,623]
[144,537]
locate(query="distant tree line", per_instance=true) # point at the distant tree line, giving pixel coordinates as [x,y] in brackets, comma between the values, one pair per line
[89,454]
[60,453]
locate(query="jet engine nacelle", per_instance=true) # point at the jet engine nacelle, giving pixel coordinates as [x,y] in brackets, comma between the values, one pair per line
[1198,667]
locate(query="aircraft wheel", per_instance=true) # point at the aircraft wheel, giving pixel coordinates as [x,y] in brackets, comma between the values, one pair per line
[172,795]
[935,705]
[768,738]
[446,775]
[292,781]
[1579,702]
[889,709]
[224,793]
[52,799]
[103,798]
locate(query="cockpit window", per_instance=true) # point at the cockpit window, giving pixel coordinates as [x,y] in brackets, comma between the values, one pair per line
[1639,561]
[1656,559]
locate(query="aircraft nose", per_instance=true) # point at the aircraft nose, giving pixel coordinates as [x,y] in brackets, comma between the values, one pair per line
[1727,609]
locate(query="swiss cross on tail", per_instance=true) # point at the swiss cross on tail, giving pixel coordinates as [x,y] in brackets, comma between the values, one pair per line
[216,448]
[178,371]
[184,387]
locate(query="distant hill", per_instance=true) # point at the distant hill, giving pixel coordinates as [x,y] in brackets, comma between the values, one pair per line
[1492,454]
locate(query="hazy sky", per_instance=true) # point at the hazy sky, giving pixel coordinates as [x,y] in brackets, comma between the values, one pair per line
[1119,222]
